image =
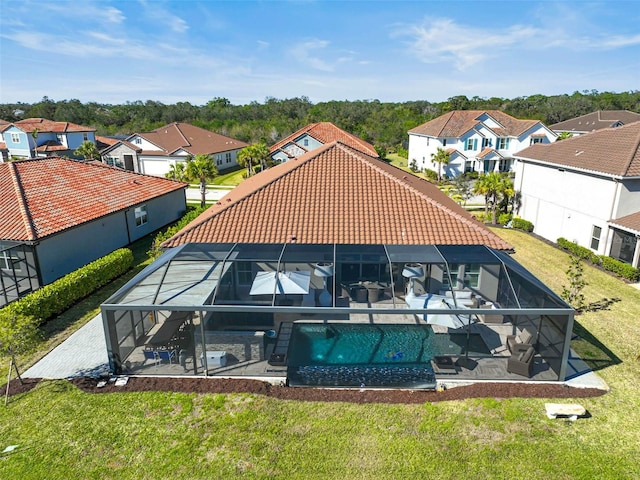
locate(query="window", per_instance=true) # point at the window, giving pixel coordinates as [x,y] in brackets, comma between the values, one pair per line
[60,138]
[486,142]
[228,157]
[595,237]
[114,162]
[15,138]
[137,140]
[623,246]
[472,144]
[306,142]
[468,166]
[472,275]
[535,140]
[85,137]
[244,272]
[504,165]
[141,215]
[7,261]
[503,143]
[444,142]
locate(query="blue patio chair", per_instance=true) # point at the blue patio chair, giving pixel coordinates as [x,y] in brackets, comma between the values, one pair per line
[169,355]
[152,355]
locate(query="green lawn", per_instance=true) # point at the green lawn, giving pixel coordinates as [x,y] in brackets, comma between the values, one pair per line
[65,433]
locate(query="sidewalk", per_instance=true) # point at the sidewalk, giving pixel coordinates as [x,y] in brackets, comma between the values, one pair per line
[83,354]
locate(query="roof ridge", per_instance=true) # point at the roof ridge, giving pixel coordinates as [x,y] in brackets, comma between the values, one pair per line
[22,201]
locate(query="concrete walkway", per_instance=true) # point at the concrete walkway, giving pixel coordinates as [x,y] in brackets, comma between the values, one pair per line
[213,194]
[83,354]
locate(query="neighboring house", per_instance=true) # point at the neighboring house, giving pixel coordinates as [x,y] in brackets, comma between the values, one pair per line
[313,136]
[594,121]
[59,214]
[338,269]
[51,138]
[587,190]
[174,143]
[476,140]
[119,153]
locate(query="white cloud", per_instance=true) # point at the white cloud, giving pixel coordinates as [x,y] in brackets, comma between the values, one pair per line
[161,15]
[303,54]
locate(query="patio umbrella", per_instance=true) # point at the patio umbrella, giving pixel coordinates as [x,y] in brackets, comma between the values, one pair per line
[281,283]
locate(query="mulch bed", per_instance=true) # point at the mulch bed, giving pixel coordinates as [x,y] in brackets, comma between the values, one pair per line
[223,385]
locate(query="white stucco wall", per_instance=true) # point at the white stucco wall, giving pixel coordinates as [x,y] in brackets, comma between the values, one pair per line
[564,203]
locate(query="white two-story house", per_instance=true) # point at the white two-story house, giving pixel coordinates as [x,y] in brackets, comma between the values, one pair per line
[585,189]
[480,141]
[39,137]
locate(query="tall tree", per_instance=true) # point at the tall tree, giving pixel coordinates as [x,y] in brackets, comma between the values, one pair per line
[495,187]
[441,157]
[203,169]
[256,154]
[88,151]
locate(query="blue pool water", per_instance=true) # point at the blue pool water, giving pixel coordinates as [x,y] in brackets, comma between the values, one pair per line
[361,354]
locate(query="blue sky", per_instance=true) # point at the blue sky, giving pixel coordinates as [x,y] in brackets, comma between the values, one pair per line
[393,51]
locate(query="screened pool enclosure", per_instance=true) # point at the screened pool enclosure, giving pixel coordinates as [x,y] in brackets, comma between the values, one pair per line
[339,315]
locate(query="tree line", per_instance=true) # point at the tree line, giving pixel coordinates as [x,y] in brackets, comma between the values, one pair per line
[383,124]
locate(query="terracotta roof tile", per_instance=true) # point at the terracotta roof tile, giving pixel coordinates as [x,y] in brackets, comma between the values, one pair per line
[326,132]
[39,197]
[336,194]
[612,151]
[43,125]
[195,140]
[629,222]
[455,124]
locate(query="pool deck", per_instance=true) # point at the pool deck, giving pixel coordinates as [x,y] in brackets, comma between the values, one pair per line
[84,354]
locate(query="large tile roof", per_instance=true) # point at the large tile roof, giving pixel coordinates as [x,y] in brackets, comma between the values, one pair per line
[327,132]
[596,121]
[43,125]
[195,140]
[457,123]
[43,196]
[336,194]
[611,151]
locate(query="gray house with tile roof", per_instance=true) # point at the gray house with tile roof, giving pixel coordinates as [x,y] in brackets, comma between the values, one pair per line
[594,121]
[585,189]
[60,214]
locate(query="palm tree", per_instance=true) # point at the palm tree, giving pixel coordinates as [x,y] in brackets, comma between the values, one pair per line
[177,172]
[88,151]
[494,186]
[34,135]
[440,157]
[256,154]
[203,169]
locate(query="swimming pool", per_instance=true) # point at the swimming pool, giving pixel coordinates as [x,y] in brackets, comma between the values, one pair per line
[361,354]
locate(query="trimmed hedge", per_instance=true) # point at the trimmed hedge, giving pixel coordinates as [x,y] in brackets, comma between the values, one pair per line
[192,213]
[522,224]
[59,295]
[612,265]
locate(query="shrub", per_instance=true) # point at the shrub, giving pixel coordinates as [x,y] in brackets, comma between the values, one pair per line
[612,265]
[403,152]
[522,224]
[431,175]
[504,218]
[621,269]
[192,212]
[59,295]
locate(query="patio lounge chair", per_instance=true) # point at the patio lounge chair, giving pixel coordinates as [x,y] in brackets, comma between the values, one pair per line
[521,363]
[518,343]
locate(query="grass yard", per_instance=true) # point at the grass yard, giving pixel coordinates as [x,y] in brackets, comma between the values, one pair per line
[64,433]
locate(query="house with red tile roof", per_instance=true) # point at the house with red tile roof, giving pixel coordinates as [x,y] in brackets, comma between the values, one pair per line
[585,189]
[39,137]
[480,141]
[175,142]
[594,121]
[314,136]
[337,269]
[337,194]
[59,214]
